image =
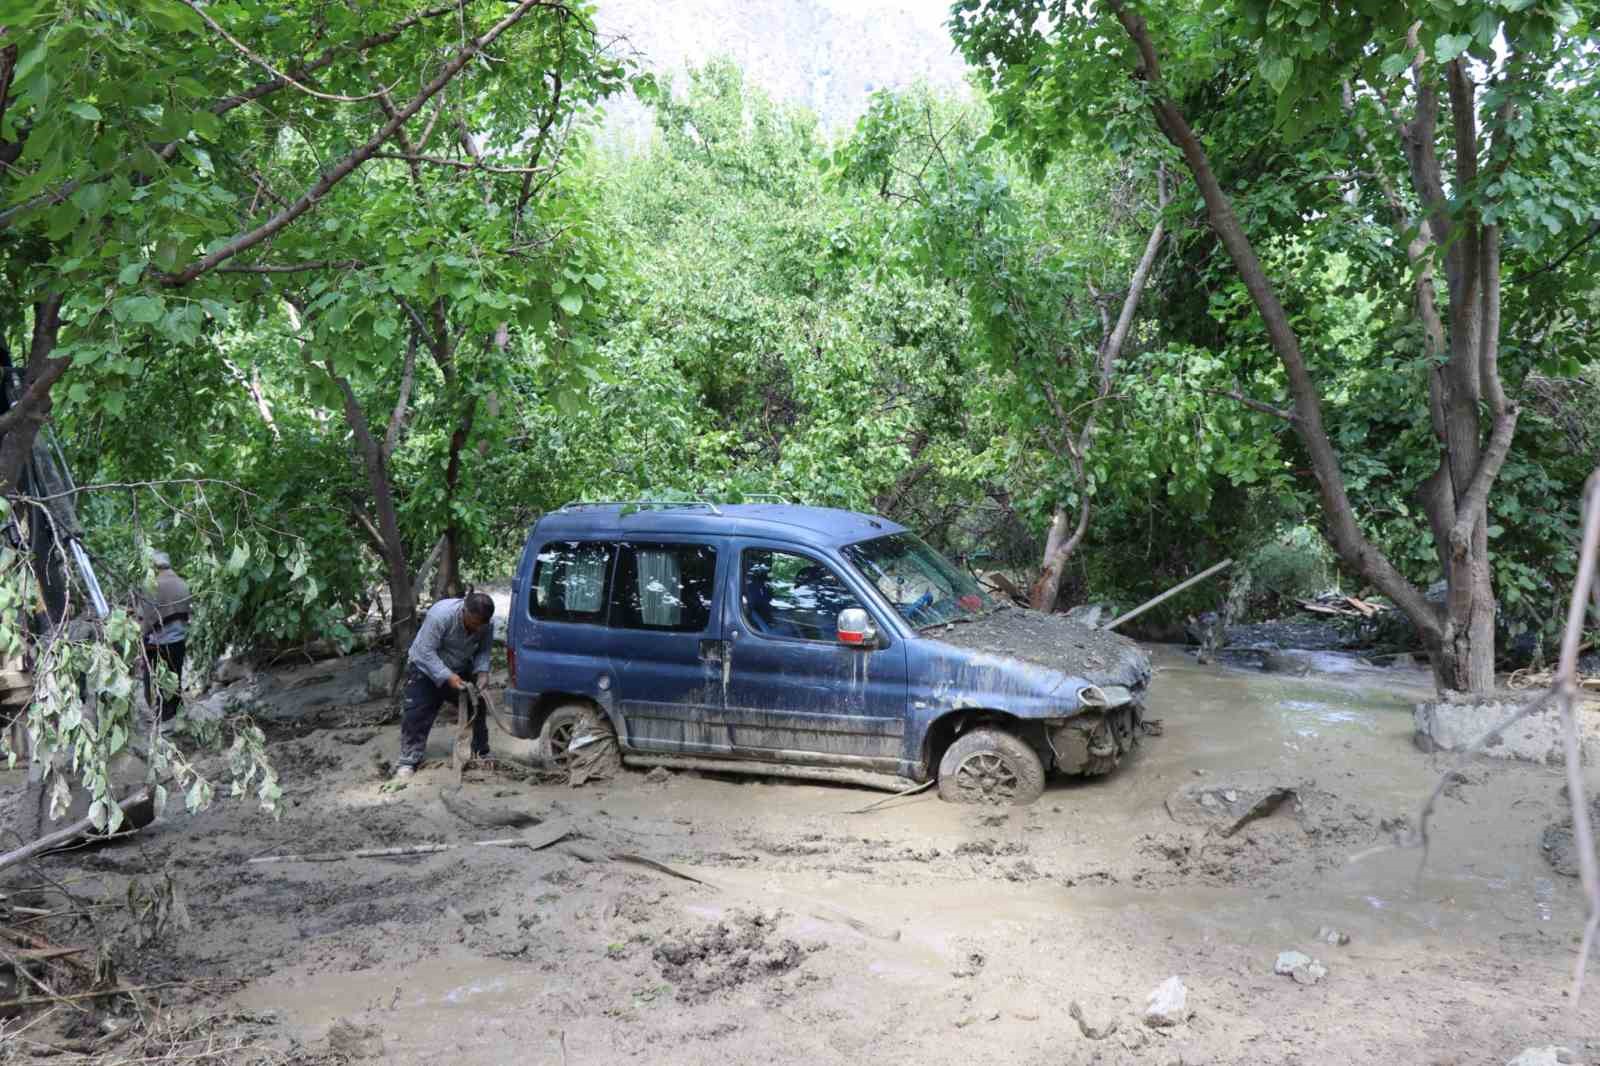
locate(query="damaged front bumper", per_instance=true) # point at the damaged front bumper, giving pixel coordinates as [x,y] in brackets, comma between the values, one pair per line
[1095,741]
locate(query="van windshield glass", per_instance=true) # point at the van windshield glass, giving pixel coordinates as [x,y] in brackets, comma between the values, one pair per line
[925,587]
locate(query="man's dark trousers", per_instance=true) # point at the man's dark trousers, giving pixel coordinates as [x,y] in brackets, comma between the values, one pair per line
[423,700]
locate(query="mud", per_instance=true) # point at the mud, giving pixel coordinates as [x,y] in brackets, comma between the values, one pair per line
[921,933]
[1052,641]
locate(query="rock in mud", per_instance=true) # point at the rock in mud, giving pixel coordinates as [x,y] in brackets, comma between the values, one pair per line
[1456,724]
[1168,1004]
[1230,804]
[1301,967]
[1558,843]
[354,1041]
[659,776]
[1327,934]
[1292,663]
[1544,1056]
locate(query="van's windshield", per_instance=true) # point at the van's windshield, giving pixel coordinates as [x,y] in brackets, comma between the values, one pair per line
[924,586]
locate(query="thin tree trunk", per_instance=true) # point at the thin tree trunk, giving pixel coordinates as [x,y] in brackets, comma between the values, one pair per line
[402,595]
[1060,544]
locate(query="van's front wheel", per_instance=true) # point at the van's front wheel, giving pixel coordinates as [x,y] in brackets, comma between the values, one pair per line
[991,766]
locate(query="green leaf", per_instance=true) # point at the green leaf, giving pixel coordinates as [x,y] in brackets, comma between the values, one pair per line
[239,558]
[571,303]
[1393,66]
[172,16]
[1449,46]
[32,58]
[1277,71]
[142,309]
[86,111]
[18,12]
[130,273]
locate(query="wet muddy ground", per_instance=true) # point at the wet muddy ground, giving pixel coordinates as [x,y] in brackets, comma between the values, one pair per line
[920,933]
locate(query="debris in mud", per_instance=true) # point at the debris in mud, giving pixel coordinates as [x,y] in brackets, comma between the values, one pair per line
[1327,934]
[1088,1028]
[991,847]
[352,1041]
[1557,842]
[975,963]
[1301,967]
[1167,1005]
[743,947]
[658,777]
[1230,804]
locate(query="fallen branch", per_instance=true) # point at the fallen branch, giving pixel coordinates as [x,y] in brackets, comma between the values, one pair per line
[72,997]
[1173,591]
[552,834]
[592,855]
[63,837]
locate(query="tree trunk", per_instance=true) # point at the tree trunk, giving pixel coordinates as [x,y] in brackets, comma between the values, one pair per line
[1460,639]
[402,594]
[31,406]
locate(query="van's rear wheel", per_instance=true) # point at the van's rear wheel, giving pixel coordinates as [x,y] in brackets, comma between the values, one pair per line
[990,766]
[555,736]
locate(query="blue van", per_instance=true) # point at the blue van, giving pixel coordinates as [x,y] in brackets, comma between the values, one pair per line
[804,642]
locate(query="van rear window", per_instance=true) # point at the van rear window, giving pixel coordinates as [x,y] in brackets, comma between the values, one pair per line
[570,580]
[665,586]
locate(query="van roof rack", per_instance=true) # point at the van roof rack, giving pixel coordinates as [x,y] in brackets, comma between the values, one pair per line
[642,505]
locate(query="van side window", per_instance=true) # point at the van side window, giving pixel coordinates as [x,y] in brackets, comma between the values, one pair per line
[664,586]
[789,595]
[569,582]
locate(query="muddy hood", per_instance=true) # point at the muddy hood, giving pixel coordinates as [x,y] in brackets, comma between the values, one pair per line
[1053,642]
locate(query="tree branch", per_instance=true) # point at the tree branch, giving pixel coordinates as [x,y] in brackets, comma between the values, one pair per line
[293,268]
[458,164]
[391,438]
[356,157]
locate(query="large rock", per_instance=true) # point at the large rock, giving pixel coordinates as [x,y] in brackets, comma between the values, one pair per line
[1456,724]
[1168,1004]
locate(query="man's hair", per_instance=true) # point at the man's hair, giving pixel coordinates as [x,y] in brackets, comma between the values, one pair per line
[161,560]
[479,606]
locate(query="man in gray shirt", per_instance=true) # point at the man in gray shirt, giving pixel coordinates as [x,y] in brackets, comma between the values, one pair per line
[454,640]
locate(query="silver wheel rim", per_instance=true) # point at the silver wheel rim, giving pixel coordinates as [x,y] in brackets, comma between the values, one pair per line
[987,777]
[561,742]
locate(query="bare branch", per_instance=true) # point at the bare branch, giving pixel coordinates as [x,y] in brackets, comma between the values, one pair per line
[1255,405]
[286,79]
[458,164]
[293,268]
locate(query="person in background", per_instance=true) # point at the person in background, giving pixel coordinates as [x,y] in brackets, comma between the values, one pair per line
[166,632]
[453,642]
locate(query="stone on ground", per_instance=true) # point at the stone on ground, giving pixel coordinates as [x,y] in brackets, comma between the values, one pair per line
[1168,1004]
[1456,724]
[1544,1056]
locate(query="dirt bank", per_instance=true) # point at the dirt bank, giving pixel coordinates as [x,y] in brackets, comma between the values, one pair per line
[922,934]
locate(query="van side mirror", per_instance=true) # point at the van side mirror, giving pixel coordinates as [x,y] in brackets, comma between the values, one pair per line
[855,628]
